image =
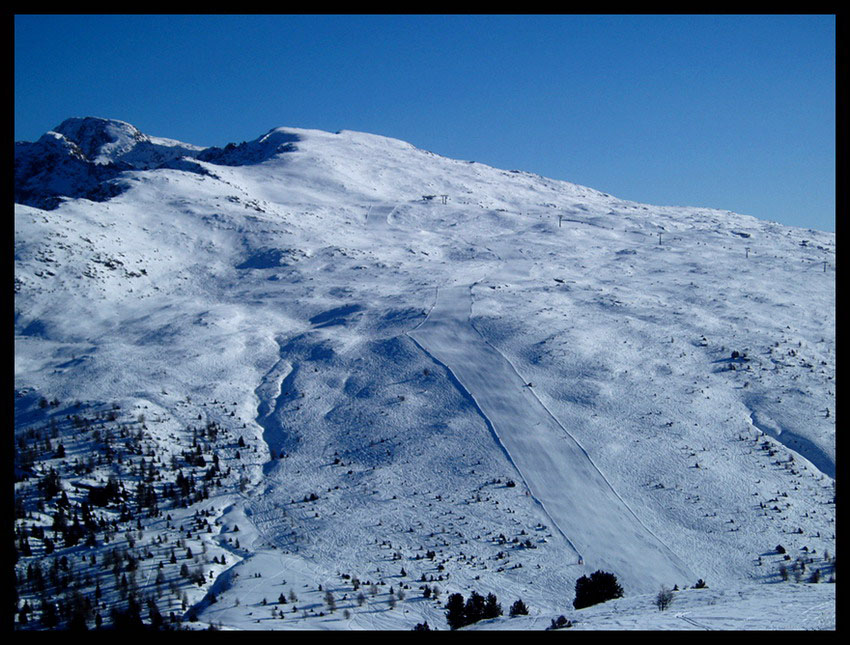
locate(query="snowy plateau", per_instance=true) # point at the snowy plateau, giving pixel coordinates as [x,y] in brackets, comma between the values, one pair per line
[326,380]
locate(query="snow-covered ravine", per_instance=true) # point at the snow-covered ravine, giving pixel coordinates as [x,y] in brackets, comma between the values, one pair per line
[799,445]
[271,395]
[598,526]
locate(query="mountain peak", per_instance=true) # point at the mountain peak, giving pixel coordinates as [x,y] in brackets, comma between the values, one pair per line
[101,140]
[82,154]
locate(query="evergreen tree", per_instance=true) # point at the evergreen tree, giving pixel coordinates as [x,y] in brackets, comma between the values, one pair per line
[455,614]
[519,608]
[49,617]
[492,608]
[560,623]
[154,615]
[474,609]
[599,587]
[51,484]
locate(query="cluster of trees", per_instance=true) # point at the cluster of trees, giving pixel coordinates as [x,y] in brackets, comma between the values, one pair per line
[798,569]
[460,613]
[56,588]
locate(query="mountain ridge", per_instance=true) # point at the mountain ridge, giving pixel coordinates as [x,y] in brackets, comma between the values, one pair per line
[275,288]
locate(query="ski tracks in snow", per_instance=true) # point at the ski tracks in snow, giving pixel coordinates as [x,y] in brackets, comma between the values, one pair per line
[559,474]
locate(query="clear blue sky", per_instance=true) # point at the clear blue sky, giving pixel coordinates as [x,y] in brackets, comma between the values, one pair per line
[730,112]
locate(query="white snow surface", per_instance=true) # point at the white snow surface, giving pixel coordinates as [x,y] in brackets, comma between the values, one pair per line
[622,364]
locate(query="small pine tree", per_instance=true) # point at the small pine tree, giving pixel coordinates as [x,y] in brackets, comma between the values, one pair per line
[560,623]
[519,608]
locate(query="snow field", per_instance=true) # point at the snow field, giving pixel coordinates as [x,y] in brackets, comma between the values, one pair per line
[290,293]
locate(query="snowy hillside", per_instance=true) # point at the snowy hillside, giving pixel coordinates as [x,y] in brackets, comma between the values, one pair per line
[396,372]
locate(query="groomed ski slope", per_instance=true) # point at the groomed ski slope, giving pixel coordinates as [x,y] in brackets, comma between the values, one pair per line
[584,508]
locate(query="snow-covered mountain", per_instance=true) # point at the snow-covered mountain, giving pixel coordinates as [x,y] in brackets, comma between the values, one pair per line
[414,371]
